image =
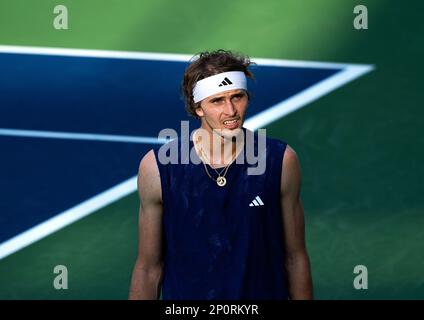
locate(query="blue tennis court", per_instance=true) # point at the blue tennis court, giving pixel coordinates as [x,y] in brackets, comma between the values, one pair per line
[45,174]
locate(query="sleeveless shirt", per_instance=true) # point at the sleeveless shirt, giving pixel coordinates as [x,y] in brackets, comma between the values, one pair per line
[223,243]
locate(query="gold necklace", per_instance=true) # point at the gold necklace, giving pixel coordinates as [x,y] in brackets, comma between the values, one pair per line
[220,180]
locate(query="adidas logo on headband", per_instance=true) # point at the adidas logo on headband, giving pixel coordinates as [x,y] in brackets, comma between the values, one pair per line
[225,82]
[214,84]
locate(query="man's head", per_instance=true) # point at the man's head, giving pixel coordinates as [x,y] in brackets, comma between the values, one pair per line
[214,88]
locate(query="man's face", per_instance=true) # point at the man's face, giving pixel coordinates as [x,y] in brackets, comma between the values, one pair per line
[224,111]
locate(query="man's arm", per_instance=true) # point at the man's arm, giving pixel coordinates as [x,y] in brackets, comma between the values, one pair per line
[296,256]
[147,273]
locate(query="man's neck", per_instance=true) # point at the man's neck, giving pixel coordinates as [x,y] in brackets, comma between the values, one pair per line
[216,149]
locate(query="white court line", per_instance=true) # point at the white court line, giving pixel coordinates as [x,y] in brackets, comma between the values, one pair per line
[306,96]
[348,73]
[158,56]
[79,136]
[87,53]
[67,217]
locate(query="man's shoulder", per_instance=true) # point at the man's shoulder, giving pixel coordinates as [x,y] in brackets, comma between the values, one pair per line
[148,162]
[290,156]
[172,152]
[276,143]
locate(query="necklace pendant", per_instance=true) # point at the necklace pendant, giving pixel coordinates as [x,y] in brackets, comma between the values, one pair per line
[221,181]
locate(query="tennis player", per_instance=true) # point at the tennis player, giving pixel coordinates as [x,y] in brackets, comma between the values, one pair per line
[214,227]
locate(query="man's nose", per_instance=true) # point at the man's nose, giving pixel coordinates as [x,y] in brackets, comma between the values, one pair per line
[229,108]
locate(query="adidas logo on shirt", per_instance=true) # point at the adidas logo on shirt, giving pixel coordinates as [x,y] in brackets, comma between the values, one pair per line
[225,82]
[257,202]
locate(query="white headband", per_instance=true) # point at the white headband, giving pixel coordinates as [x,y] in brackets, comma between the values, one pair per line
[219,83]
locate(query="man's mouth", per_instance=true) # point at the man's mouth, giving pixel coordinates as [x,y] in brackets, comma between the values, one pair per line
[230,124]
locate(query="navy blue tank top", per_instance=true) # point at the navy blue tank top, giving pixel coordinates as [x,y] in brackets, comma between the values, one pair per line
[223,242]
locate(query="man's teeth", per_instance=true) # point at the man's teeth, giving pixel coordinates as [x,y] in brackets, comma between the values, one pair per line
[230,121]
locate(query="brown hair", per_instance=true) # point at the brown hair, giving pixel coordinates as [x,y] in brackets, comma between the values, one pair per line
[209,63]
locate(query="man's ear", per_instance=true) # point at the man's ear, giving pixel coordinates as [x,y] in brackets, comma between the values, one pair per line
[199,111]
